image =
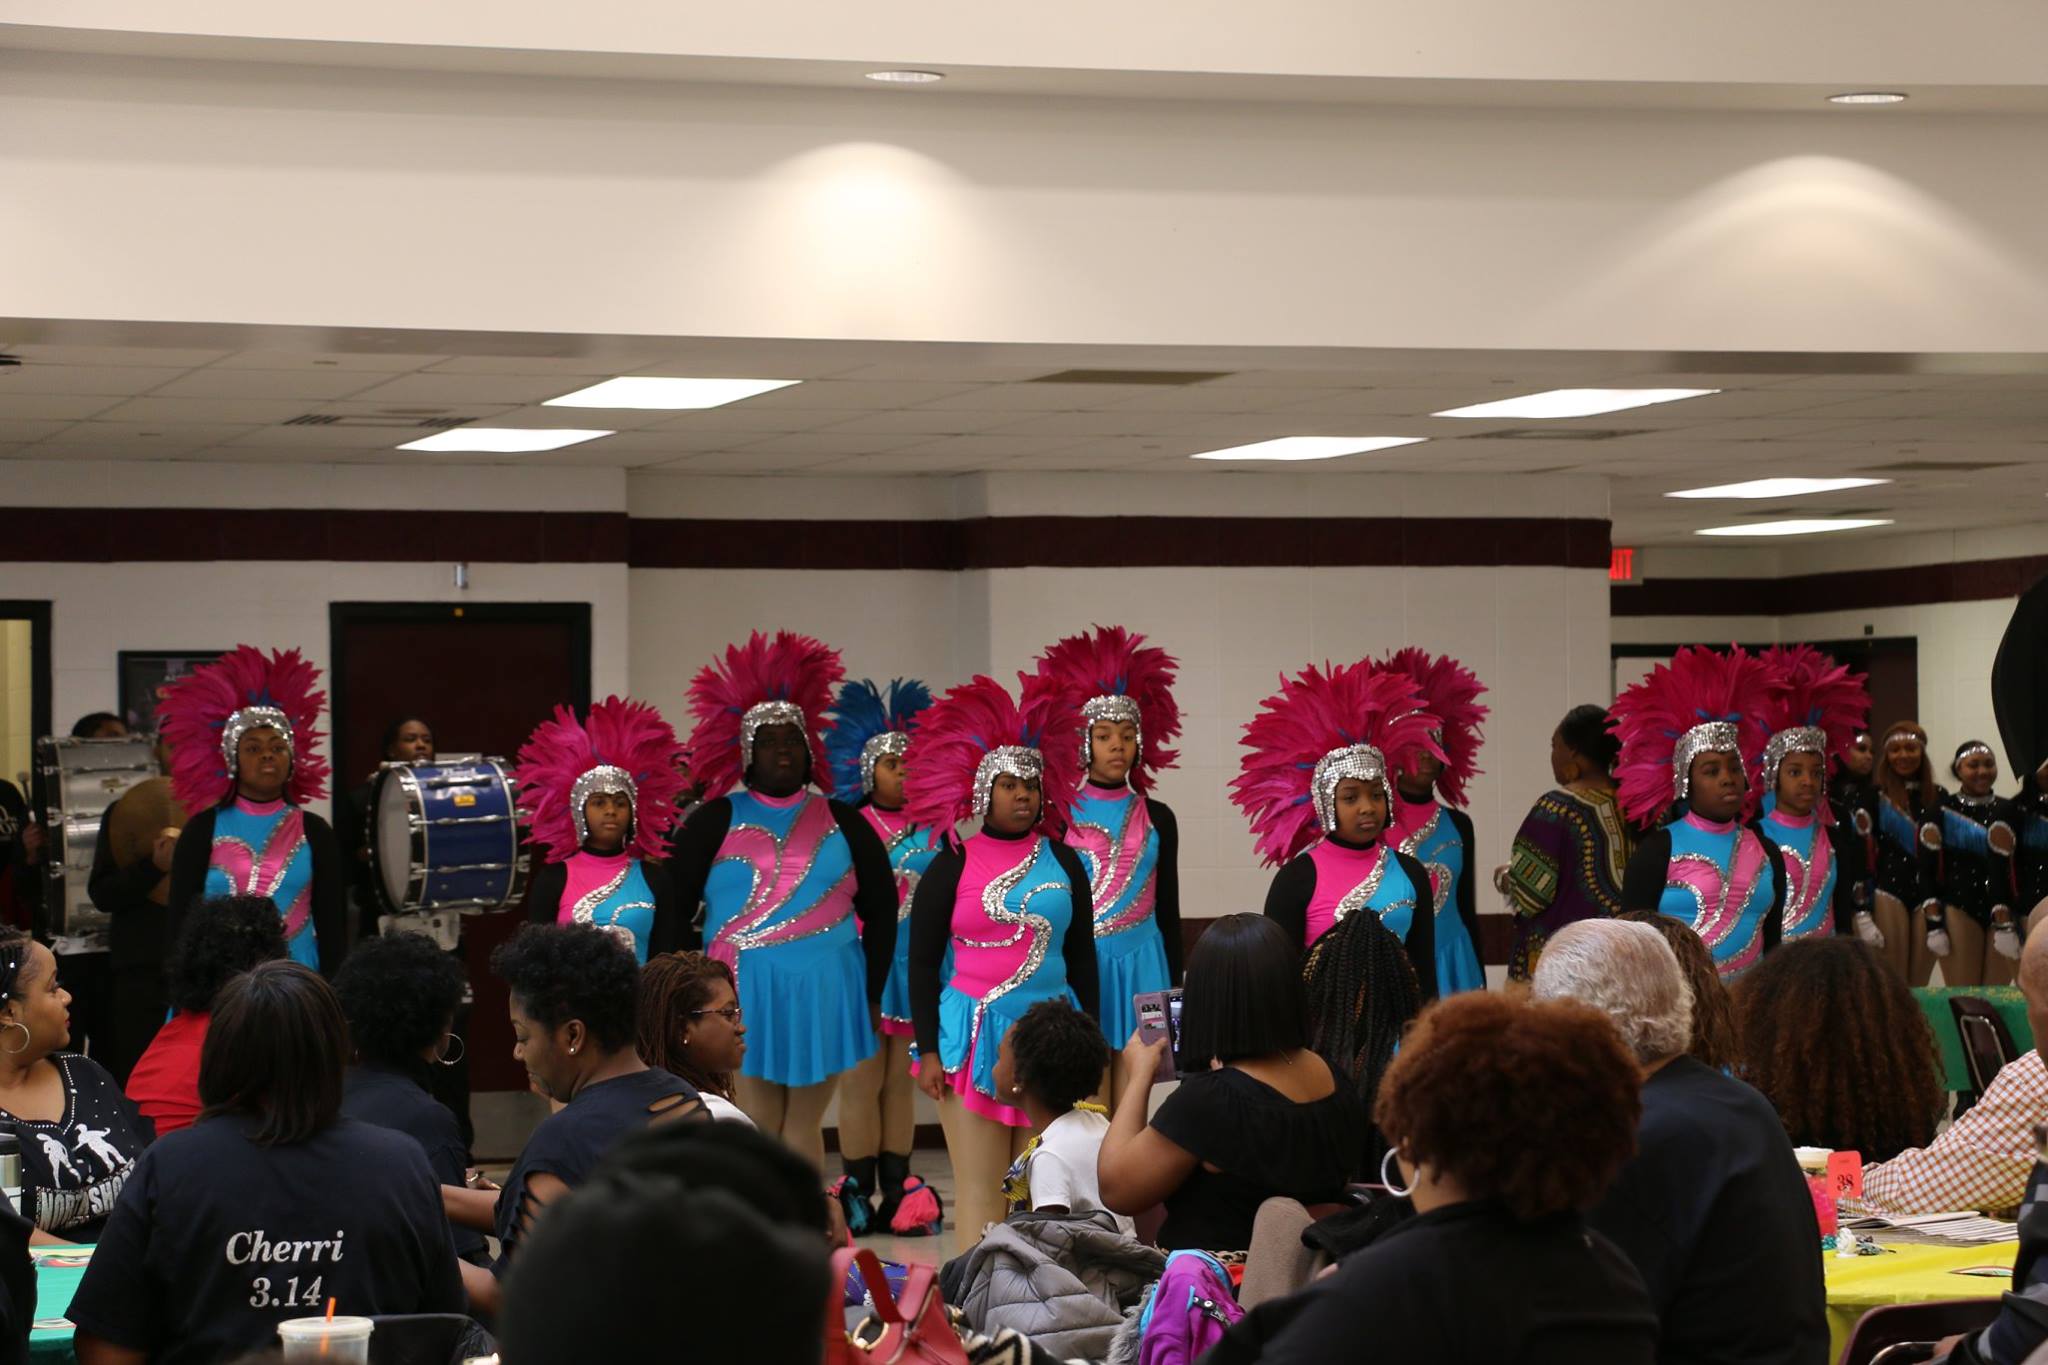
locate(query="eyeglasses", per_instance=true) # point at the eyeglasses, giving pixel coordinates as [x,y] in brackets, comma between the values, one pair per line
[731,1013]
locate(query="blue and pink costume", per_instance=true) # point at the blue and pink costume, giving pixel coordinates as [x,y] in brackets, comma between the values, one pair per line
[1440,838]
[1317,890]
[1720,878]
[1815,891]
[1130,846]
[910,853]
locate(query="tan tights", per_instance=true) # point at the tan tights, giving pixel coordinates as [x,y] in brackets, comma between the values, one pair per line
[981,1151]
[1972,960]
[1905,939]
[875,1103]
[794,1113]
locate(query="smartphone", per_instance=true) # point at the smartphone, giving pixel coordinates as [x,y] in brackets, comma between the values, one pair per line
[1159,1017]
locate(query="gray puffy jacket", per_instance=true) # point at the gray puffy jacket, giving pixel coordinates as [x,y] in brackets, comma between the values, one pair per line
[1064,1280]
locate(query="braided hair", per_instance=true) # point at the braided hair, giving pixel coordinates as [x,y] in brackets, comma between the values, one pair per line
[14,954]
[672,985]
[1362,995]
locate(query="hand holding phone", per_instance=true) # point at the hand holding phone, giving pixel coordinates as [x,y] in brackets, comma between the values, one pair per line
[1159,1021]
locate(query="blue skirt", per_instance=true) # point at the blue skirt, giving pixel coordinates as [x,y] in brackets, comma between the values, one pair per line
[1457,960]
[956,1028]
[1129,964]
[806,1008]
[896,990]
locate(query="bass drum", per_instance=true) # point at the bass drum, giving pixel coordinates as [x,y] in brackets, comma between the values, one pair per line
[444,841]
[81,778]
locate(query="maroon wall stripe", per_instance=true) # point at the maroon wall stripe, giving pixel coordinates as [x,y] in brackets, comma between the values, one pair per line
[187,535]
[1911,585]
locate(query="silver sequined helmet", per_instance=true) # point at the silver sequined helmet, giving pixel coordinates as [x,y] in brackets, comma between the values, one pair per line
[612,782]
[1361,761]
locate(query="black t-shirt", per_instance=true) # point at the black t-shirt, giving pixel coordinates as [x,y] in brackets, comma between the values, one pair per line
[568,1144]
[391,1099]
[217,1240]
[1716,1216]
[1266,1146]
[1464,1283]
[72,1170]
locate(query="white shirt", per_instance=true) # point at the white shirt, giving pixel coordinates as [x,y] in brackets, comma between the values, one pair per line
[1062,1170]
[724,1110]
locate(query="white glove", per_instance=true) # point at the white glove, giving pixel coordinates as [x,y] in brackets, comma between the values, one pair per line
[2005,939]
[1937,942]
[1867,930]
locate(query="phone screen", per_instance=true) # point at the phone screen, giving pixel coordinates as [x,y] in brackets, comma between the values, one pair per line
[1173,1017]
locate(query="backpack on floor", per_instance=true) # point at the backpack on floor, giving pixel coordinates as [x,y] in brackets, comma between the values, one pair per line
[1191,1307]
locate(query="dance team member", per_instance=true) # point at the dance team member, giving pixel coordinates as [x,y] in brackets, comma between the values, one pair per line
[1813,709]
[1428,824]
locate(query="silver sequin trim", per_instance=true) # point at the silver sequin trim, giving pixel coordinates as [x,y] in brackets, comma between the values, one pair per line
[1361,761]
[993,898]
[1015,760]
[1714,737]
[585,909]
[754,932]
[1410,846]
[612,782]
[1108,707]
[1956,764]
[1358,895]
[249,718]
[1800,739]
[765,713]
[889,742]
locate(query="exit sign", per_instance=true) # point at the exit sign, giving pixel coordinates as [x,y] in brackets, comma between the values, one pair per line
[1621,565]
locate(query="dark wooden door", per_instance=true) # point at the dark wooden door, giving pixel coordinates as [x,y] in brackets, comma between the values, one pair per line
[1892,666]
[482,675]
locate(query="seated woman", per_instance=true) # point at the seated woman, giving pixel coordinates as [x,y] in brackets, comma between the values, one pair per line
[1362,996]
[79,1134]
[1713,1013]
[269,1206]
[691,1026]
[572,1027]
[400,993]
[222,938]
[1050,1063]
[1498,1263]
[1837,1044]
[1257,1114]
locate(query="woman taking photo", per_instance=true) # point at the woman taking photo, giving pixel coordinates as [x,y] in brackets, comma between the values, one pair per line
[245,761]
[399,993]
[690,1025]
[1498,1263]
[271,1205]
[602,795]
[1258,1115]
[79,1135]
[1702,865]
[1318,787]
[1000,922]
[1573,848]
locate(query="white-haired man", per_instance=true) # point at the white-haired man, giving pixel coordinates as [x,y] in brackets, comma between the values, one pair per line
[1713,1209]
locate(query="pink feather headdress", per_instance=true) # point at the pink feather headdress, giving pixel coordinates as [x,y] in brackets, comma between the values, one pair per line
[204,715]
[624,748]
[975,731]
[1112,674]
[1321,727]
[1813,705]
[1703,701]
[1450,692]
[786,679]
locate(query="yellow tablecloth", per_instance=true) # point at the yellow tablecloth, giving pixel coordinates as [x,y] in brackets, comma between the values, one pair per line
[1908,1274]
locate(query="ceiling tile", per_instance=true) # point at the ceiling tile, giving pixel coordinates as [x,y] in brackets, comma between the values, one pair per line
[594,367]
[53,407]
[379,362]
[853,397]
[739,417]
[119,381]
[824,444]
[298,385]
[991,447]
[935,421]
[167,357]
[453,390]
[253,411]
[1086,424]
[1045,397]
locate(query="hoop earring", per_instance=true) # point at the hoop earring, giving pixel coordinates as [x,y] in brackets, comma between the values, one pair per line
[28,1039]
[1387,1179]
[460,1052]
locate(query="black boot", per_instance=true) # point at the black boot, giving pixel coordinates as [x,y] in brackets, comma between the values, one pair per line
[856,1196]
[895,1169]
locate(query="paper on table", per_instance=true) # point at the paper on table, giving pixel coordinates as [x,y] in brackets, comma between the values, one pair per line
[1963,1225]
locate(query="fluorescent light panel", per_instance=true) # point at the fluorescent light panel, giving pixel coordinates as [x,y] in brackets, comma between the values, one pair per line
[1574,402]
[503,440]
[1868,97]
[906,77]
[648,391]
[1809,526]
[1775,488]
[1309,447]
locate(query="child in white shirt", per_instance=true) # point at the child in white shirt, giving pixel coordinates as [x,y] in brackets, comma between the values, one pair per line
[1050,1064]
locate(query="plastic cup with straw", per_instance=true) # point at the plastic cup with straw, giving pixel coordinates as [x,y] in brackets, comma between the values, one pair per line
[340,1341]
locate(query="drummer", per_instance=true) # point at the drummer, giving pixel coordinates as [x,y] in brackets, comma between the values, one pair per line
[130,884]
[83,964]
[408,739]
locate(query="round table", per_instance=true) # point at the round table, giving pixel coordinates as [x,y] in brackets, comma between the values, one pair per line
[1907,1273]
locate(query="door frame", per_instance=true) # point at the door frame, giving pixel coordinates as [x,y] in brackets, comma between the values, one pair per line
[340,615]
[42,689]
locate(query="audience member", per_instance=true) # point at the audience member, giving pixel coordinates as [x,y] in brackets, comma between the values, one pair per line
[1498,1263]
[691,1026]
[1713,1013]
[79,1134]
[269,1206]
[1713,1209]
[722,1226]
[572,1007]
[224,937]
[400,993]
[1049,1064]
[1837,1044]
[1362,995]
[1982,1160]
[1257,1114]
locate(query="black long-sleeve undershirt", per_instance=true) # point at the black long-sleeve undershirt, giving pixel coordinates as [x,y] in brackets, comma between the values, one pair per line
[931,929]
[1294,886]
[136,924]
[1166,885]
[1468,879]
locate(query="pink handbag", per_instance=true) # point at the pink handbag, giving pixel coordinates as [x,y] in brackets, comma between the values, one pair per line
[914,1326]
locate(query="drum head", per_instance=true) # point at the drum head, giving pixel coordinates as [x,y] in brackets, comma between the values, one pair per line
[392,849]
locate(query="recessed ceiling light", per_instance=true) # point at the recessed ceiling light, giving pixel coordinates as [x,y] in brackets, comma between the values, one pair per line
[907,77]
[1309,447]
[503,440]
[651,392]
[1774,488]
[1810,526]
[1868,97]
[1574,402]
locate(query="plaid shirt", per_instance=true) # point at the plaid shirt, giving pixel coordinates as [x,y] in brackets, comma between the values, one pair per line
[1983,1159]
